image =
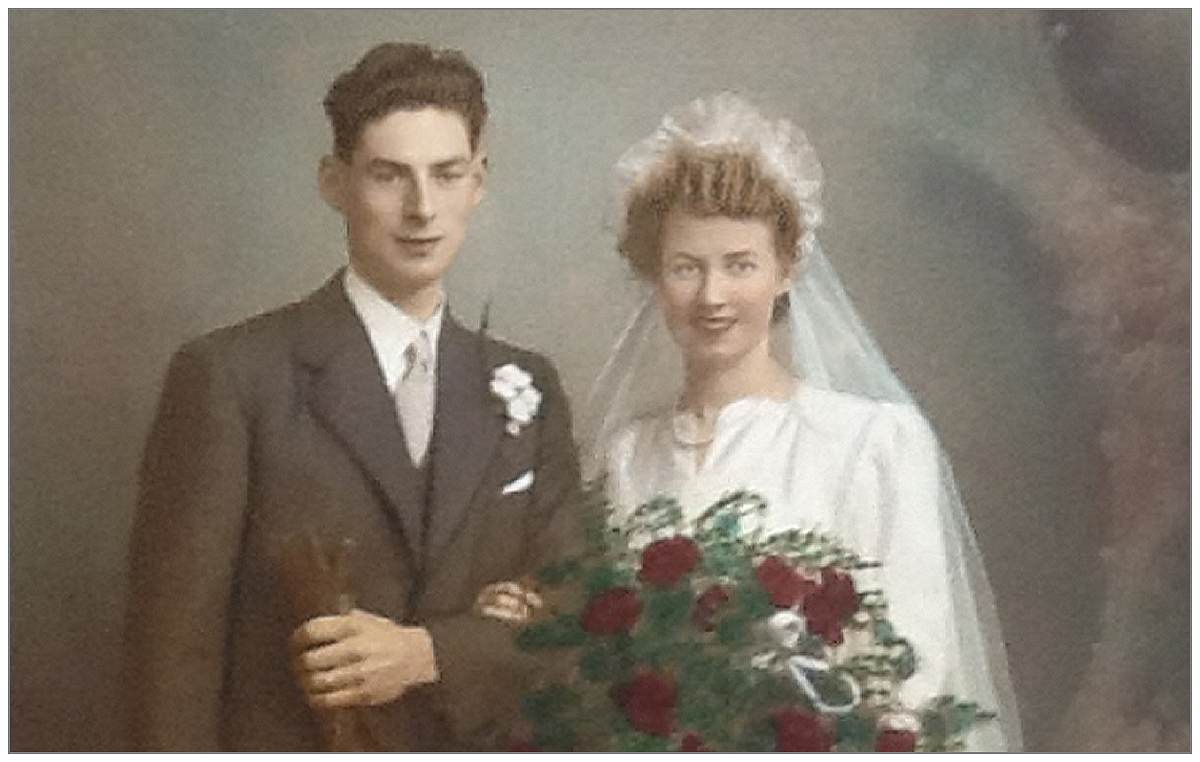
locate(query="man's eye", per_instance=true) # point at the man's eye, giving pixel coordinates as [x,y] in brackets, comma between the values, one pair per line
[449,177]
[683,269]
[744,266]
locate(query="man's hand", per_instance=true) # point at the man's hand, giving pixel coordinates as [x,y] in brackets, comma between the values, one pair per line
[360,659]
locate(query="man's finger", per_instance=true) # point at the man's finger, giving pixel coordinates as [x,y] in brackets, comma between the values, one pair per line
[322,629]
[332,656]
[346,697]
[327,681]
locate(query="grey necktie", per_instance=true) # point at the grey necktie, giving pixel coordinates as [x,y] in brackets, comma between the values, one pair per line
[414,397]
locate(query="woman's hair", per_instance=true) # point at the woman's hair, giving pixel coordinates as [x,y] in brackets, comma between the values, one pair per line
[394,76]
[707,182]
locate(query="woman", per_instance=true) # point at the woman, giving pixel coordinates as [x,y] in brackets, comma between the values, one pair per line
[720,210]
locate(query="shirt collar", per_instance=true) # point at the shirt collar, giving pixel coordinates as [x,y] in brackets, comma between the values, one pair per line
[390,328]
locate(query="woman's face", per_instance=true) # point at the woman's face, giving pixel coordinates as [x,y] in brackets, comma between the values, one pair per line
[717,285]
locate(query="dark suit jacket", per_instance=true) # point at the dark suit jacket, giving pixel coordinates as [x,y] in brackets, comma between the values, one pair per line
[281,424]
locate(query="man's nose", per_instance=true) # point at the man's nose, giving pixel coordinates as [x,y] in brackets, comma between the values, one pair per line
[419,204]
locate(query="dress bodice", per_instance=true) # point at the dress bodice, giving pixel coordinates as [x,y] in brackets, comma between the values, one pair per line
[867,471]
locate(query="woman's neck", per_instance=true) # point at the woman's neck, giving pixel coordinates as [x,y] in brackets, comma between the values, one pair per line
[709,388]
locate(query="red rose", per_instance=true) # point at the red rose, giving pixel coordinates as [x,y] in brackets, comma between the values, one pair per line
[614,611]
[665,562]
[692,742]
[821,618]
[797,730]
[707,605]
[895,740]
[648,701]
[785,585]
[838,588]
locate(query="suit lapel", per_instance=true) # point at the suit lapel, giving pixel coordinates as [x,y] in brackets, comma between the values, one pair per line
[467,427]
[348,395]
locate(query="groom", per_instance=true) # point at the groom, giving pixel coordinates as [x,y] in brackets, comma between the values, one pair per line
[427,460]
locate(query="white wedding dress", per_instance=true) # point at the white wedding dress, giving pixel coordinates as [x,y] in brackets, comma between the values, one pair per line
[864,470]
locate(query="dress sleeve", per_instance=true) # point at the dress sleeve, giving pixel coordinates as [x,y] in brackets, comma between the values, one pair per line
[891,514]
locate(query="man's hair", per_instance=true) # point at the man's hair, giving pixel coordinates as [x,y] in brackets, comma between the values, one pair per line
[707,183]
[394,76]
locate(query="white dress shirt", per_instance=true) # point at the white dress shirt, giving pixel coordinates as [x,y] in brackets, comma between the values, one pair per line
[391,331]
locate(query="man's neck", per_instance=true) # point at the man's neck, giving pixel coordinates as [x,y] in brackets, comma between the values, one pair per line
[419,302]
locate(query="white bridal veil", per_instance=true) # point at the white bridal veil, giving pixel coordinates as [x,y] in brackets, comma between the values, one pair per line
[825,342]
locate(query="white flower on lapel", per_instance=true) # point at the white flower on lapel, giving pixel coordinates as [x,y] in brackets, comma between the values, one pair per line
[513,386]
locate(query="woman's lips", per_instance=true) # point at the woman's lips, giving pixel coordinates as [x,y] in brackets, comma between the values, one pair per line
[714,324]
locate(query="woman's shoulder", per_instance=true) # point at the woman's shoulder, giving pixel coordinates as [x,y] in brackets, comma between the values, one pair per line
[852,414]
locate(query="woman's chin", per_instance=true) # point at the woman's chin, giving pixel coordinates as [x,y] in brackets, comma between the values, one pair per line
[713,357]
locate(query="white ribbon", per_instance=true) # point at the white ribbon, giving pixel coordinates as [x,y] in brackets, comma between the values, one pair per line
[785,628]
[802,666]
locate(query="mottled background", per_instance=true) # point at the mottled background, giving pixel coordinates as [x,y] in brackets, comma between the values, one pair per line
[1007,200]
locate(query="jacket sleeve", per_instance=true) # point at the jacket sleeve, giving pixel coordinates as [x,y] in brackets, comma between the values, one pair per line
[482,673]
[183,554]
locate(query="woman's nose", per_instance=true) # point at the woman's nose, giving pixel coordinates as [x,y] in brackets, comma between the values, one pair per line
[712,289]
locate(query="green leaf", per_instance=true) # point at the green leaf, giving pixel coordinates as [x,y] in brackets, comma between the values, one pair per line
[752,601]
[854,733]
[558,573]
[733,630]
[885,634]
[665,610]
[635,741]
[561,632]
[963,717]
[603,578]
[546,704]
[600,661]
[558,736]
[906,663]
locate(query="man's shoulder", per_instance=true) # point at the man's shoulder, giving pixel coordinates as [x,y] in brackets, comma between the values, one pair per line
[259,337]
[503,351]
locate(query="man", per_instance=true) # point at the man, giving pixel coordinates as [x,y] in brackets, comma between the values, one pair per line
[367,421]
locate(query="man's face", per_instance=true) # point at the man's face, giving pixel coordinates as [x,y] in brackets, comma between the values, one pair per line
[407,193]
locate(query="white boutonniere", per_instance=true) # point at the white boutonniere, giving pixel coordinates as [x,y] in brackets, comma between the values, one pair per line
[513,386]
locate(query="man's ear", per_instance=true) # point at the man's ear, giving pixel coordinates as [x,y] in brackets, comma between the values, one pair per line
[331,180]
[479,167]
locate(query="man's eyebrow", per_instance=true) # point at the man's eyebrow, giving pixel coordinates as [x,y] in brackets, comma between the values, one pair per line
[451,163]
[382,163]
[739,254]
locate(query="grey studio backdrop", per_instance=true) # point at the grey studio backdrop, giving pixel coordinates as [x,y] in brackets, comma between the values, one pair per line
[162,183]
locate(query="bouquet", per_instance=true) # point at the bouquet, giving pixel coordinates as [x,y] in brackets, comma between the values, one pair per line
[711,636]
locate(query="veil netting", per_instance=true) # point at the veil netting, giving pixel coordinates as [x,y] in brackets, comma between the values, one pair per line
[824,342]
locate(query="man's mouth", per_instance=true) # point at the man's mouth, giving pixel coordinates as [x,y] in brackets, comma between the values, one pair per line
[418,240]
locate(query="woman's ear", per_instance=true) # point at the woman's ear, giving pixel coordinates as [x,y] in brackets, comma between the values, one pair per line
[786,274]
[331,180]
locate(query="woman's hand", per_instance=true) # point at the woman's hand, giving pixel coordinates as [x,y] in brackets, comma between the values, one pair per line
[508,601]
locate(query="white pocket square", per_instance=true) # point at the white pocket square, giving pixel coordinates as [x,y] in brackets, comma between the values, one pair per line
[520,484]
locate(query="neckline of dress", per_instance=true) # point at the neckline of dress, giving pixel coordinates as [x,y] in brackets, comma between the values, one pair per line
[684,423]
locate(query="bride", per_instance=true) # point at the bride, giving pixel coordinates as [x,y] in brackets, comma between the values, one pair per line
[773,385]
